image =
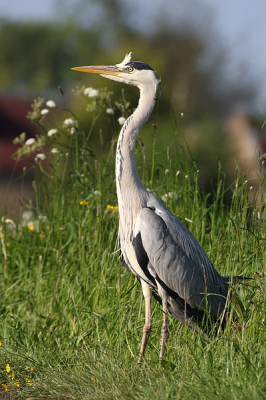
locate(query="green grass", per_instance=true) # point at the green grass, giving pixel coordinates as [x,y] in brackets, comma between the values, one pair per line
[72,316]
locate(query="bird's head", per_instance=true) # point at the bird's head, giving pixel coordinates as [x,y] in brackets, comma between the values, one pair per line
[131,72]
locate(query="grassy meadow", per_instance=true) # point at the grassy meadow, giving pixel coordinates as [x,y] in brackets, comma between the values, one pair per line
[72,316]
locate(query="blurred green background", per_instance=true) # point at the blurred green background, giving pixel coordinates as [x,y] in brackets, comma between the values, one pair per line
[212,93]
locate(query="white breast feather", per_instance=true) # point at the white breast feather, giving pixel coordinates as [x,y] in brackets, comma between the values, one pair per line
[131,256]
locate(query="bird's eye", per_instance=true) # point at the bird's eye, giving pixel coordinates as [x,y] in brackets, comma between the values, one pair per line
[130,69]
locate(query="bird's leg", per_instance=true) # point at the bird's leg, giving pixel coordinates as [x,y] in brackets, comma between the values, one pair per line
[165,326]
[147,326]
[164,330]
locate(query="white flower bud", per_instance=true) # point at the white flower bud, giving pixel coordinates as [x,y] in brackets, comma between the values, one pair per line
[93,93]
[51,132]
[88,90]
[121,120]
[50,103]
[40,156]
[69,121]
[44,111]
[30,141]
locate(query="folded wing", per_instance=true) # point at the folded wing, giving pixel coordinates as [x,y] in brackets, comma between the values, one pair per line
[169,255]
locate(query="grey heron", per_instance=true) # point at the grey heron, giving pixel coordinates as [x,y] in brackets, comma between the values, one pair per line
[162,253]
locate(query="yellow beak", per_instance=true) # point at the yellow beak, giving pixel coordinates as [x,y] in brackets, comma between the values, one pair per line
[102,70]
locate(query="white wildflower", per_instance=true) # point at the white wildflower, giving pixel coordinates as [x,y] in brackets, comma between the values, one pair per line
[51,132]
[88,90]
[177,173]
[91,92]
[109,111]
[121,120]
[45,111]
[186,176]
[30,141]
[182,114]
[166,171]
[50,103]
[9,221]
[40,156]
[251,187]
[54,150]
[43,218]
[27,216]
[69,121]
[72,131]
[28,219]
[169,195]
[97,192]
[164,197]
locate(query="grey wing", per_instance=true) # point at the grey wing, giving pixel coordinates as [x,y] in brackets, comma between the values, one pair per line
[171,255]
[181,235]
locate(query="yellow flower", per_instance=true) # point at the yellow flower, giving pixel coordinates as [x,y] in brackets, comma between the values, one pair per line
[13,374]
[5,386]
[17,384]
[0,344]
[8,368]
[32,369]
[41,235]
[29,382]
[86,203]
[114,208]
[31,227]
[2,235]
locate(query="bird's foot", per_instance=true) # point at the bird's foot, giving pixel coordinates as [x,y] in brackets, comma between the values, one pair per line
[145,337]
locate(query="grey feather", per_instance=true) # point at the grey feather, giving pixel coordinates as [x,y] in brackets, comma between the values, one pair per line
[178,260]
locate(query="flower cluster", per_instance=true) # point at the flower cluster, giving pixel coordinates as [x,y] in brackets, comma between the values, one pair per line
[10,376]
[35,146]
[30,146]
[114,208]
[101,100]
[43,114]
[84,203]
[90,92]
[167,196]
[39,225]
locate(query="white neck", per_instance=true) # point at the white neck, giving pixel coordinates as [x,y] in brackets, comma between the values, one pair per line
[130,191]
